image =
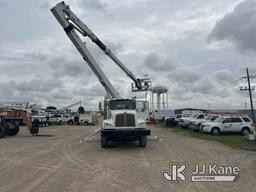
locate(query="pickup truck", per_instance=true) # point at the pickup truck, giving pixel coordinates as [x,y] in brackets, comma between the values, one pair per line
[60,119]
[186,121]
[86,119]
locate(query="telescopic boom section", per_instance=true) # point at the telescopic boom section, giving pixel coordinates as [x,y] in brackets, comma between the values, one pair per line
[71,23]
[63,15]
[72,105]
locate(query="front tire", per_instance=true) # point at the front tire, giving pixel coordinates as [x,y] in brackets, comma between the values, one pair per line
[2,131]
[104,141]
[215,131]
[11,129]
[143,141]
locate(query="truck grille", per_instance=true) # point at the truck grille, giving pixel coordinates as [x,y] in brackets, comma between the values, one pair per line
[125,120]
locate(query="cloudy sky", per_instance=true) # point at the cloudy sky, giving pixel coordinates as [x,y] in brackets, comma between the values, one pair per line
[198,49]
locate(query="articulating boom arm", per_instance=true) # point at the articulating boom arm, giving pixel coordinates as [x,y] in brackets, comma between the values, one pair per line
[71,23]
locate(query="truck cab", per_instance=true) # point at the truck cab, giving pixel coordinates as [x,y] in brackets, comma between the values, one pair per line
[123,123]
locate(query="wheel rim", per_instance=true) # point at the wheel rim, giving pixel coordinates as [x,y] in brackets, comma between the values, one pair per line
[245,131]
[215,131]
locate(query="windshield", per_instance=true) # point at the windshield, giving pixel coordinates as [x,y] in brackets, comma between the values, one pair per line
[122,104]
[219,119]
[194,116]
[141,106]
[207,117]
[178,116]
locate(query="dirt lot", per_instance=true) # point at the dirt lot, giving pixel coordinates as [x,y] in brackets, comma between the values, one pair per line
[57,161]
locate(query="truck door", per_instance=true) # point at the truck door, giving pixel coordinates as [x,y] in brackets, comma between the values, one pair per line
[142,108]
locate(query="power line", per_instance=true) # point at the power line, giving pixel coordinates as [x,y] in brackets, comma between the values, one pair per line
[231,84]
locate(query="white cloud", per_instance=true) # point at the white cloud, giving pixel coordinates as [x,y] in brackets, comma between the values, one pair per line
[165,39]
[238,26]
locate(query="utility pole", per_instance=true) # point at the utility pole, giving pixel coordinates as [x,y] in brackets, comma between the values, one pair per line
[250,89]
[250,93]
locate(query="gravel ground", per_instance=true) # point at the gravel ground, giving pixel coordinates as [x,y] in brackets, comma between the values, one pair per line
[57,161]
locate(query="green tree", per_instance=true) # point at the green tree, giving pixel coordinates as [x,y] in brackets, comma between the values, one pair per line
[80,110]
[49,108]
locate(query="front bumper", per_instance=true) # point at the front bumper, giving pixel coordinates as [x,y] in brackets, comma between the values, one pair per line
[117,134]
[183,124]
[205,129]
[194,126]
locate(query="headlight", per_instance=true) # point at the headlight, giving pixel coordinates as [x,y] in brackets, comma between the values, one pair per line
[108,126]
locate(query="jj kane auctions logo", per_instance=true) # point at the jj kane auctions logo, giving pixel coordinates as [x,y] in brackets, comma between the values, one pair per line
[201,173]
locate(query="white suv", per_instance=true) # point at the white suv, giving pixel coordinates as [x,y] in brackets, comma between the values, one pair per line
[195,124]
[228,124]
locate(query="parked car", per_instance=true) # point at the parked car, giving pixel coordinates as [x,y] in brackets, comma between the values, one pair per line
[196,123]
[41,118]
[173,121]
[86,119]
[60,119]
[185,121]
[240,124]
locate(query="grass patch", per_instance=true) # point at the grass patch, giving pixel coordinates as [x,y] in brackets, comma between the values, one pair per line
[231,140]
